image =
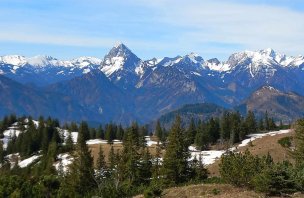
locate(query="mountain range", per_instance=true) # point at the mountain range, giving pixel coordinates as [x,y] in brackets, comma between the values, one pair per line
[121,87]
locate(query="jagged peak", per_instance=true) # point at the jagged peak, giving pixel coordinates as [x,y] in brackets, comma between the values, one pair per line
[120,50]
[118,44]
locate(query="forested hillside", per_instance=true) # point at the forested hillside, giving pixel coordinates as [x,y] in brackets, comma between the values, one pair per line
[40,158]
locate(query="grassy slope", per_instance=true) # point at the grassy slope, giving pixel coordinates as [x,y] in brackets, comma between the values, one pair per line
[261,147]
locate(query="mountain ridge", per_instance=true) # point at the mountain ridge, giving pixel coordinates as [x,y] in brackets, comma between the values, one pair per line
[126,86]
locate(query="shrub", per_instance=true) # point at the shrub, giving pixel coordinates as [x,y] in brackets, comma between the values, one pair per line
[276,180]
[285,142]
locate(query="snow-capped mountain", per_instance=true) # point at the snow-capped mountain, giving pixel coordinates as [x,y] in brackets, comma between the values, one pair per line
[119,65]
[122,86]
[43,70]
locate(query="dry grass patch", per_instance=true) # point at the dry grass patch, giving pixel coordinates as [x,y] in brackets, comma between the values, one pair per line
[117,148]
[261,147]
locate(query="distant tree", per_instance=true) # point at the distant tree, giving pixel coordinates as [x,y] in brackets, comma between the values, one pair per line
[2,153]
[100,132]
[84,131]
[101,163]
[214,130]
[120,132]
[69,143]
[191,132]
[109,134]
[158,130]
[225,126]
[251,123]
[261,125]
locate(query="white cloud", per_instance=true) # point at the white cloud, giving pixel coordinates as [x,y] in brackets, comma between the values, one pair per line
[203,26]
[252,26]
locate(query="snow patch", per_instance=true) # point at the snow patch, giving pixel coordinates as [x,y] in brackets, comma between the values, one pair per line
[28,161]
[209,157]
[65,159]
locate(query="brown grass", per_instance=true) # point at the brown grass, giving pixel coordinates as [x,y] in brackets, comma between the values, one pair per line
[209,190]
[261,147]
[117,148]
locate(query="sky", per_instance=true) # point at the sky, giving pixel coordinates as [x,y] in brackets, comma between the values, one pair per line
[67,29]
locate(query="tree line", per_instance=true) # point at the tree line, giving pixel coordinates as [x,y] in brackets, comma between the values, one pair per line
[127,172]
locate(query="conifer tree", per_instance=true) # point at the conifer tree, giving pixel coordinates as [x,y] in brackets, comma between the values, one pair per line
[175,164]
[82,172]
[214,130]
[158,130]
[50,158]
[225,126]
[261,125]
[109,134]
[298,152]
[2,153]
[266,120]
[130,155]
[120,132]
[84,131]
[251,122]
[112,160]
[69,144]
[145,167]
[100,132]
[93,133]
[191,132]
[101,163]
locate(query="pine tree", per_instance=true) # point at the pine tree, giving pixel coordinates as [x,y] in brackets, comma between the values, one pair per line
[266,120]
[69,144]
[298,152]
[225,126]
[158,130]
[145,167]
[120,132]
[157,165]
[191,132]
[130,155]
[261,125]
[100,132]
[101,163]
[235,127]
[84,131]
[92,133]
[251,122]
[214,130]
[198,169]
[2,153]
[175,164]
[82,172]
[112,160]
[109,134]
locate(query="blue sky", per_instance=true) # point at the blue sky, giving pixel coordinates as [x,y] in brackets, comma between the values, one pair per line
[212,28]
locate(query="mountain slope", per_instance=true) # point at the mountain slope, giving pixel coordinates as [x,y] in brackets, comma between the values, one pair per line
[200,111]
[95,92]
[280,105]
[23,100]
